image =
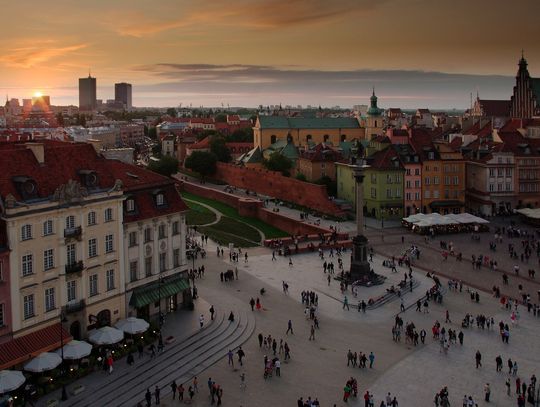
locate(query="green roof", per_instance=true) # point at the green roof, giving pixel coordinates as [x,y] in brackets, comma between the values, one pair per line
[252,156]
[280,122]
[152,292]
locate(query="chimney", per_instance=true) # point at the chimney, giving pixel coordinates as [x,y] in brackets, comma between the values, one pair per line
[38,150]
[97,144]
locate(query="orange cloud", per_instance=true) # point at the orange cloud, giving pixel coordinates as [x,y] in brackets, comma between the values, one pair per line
[27,57]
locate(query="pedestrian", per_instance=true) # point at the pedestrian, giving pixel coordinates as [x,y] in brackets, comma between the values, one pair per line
[212,313]
[196,384]
[508,387]
[173,389]
[277,365]
[252,303]
[260,340]
[140,349]
[371,360]
[241,355]
[201,320]
[152,349]
[243,381]
[478,358]
[110,363]
[290,262]
[312,333]
[460,337]
[487,392]
[289,328]
[156,395]
[148,397]
[448,317]
[230,355]
[346,303]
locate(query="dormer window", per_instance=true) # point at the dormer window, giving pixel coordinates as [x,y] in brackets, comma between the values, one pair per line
[431,155]
[89,178]
[130,205]
[160,199]
[26,187]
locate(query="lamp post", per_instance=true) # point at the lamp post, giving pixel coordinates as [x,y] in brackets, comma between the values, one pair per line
[159,300]
[63,369]
[382,218]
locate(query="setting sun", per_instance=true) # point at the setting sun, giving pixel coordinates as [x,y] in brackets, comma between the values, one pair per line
[38,94]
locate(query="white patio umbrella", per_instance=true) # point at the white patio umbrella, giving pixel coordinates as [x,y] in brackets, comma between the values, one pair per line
[132,325]
[75,350]
[10,380]
[42,362]
[106,336]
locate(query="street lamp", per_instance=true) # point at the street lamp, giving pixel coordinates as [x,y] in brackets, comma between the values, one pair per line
[62,370]
[382,218]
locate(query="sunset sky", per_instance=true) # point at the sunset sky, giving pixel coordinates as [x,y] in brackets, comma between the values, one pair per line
[417,53]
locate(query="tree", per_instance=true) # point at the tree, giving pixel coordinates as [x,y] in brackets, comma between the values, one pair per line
[301,177]
[152,133]
[202,162]
[171,111]
[219,148]
[331,185]
[221,118]
[278,162]
[241,135]
[165,166]
[156,150]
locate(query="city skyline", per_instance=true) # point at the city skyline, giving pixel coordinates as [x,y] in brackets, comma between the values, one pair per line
[271,52]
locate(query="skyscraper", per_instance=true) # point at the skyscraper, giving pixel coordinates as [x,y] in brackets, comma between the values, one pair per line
[87,93]
[122,93]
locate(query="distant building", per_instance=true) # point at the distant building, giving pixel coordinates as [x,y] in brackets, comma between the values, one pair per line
[122,93]
[525,102]
[87,94]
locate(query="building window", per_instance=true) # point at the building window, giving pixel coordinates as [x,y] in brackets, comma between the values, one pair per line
[148,235]
[71,290]
[427,181]
[93,285]
[408,184]
[148,266]
[417,184]
[408,196]
[446,194]
[160,199]
[91,218]
[417,171]
[427,195]
[28,306]
[47,227]
[109,247]
[491,187]
[397,178]
[130,205]
[436,180]
[508,186]
[162,262]
[26,232]
[71,257]
[162,232]
[408,171]
[70,222]
[110,280]
[133,270]
[492,172]
[436,194]
[175,228]
[456,180]
[373,177]
[374,192]
[27,265]
[132,239]
[388,179]
[48,259]
[92,247]
[499,187]
[49,299]
[108,214]
[446,180]
[398,193]
[176,257]
[389,193]
[417,196]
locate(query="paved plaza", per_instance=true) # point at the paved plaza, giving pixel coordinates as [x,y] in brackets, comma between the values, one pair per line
[318,368]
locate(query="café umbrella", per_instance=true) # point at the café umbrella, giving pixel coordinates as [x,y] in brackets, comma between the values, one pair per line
[106,336]
[43,362]
[75,350]
[10,380]
[132,325]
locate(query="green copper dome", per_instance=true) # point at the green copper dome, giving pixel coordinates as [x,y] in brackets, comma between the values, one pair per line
[373,109]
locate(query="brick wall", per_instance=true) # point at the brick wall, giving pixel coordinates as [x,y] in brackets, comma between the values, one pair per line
[274,184]
[254,208]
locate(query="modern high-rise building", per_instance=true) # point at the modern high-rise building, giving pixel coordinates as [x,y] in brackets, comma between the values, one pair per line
[122,93]
[87,93]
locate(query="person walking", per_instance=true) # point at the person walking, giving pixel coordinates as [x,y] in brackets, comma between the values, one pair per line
[478,358]
[148,397]
[487,392]
[277,365]
[371,360]
[201,320]
[252,303]
[196,384]
[212,310]
[156,395]
[181,392]
[312,333]
[173,389]
[289,328]
[346,303]
[241,354]
[230,355]
[243,381]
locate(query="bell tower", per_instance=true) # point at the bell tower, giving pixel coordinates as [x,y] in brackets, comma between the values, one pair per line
[374,120]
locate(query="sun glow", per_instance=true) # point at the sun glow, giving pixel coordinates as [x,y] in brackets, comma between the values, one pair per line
[38,94]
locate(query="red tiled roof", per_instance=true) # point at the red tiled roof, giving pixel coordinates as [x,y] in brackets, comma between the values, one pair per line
[321,152]
[201,145]
[203,120]
[500,108]
[26,347]
[145,207]
[456,143]
[233,118]
[385,159]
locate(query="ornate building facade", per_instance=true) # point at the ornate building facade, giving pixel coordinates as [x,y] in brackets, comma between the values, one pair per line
[525,102]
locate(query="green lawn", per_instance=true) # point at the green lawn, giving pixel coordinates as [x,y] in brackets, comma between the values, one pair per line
[199,215]
[224,237]
[235,227]
[269,231]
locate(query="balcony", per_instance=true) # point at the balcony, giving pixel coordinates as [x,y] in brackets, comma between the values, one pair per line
[75,306]
[73,233]
[76,267]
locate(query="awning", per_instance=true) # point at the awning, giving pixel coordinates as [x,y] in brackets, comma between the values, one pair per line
[26,347]
[151,293]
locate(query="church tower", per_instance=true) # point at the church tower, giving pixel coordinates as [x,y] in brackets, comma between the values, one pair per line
[374,120]
[525,102]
